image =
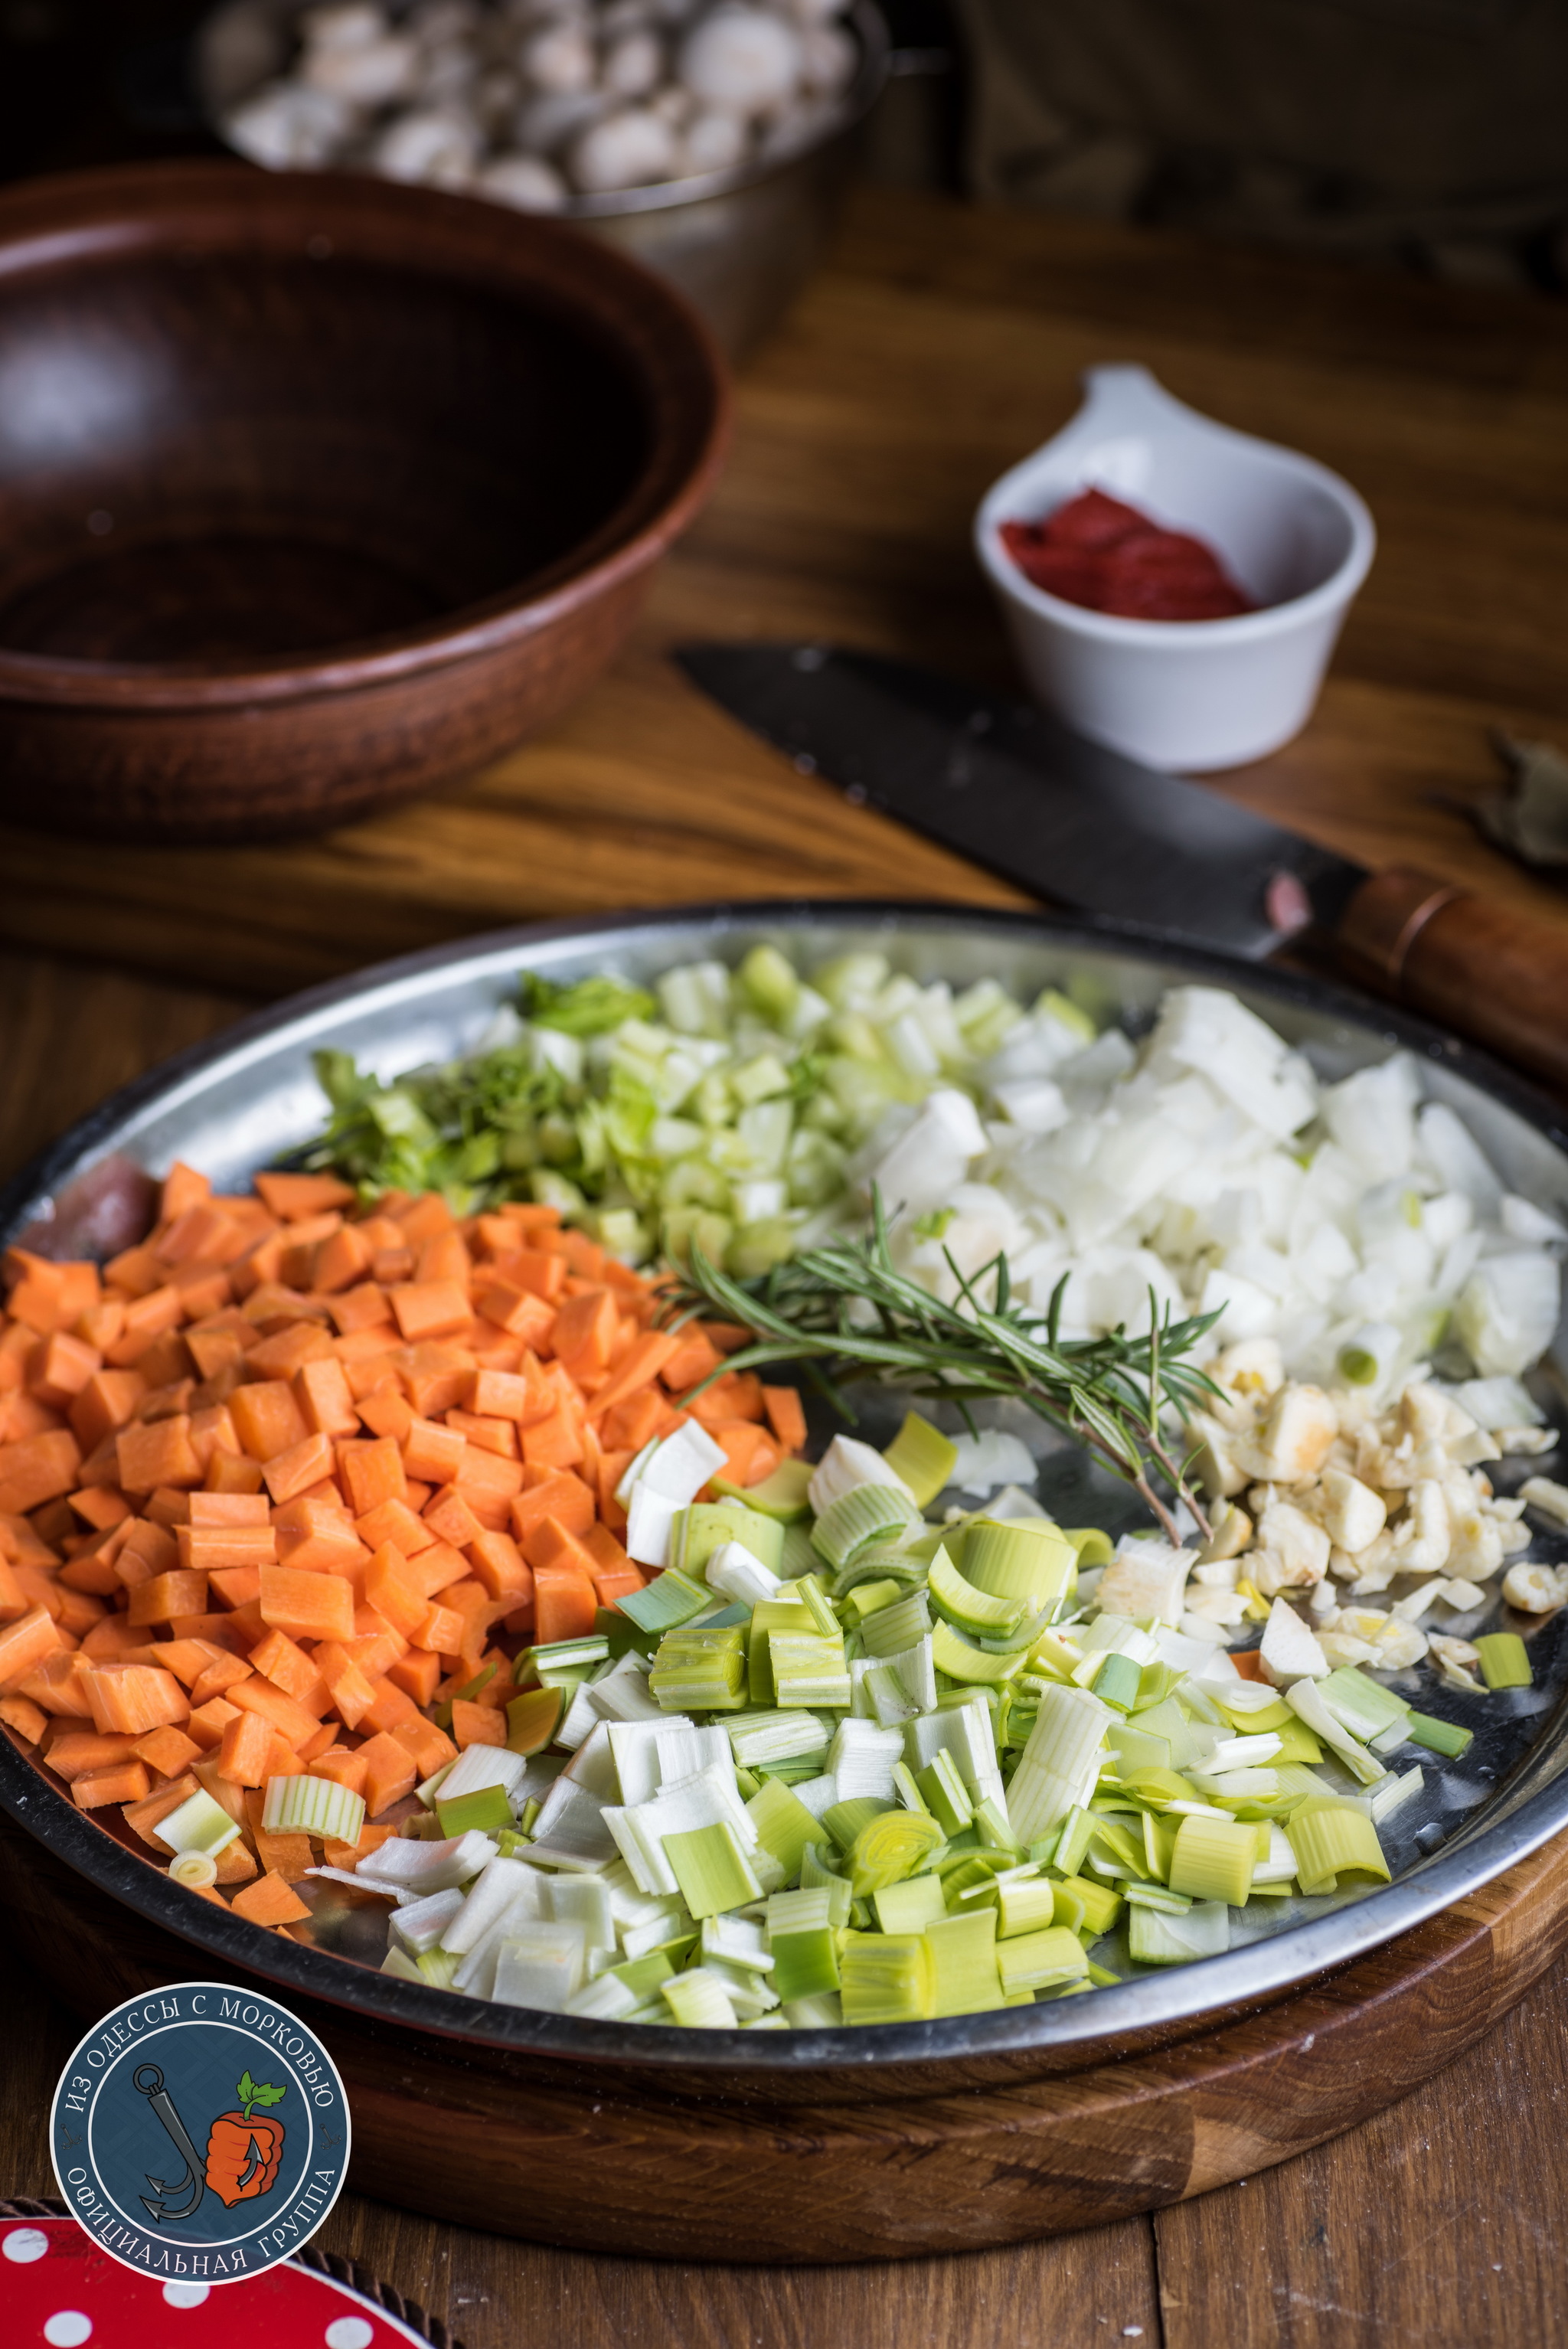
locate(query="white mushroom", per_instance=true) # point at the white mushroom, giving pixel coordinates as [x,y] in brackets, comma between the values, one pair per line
[1293,1439]
[367,74]
[713,141]
[1399,1644]
[1423,1537]
[743,58]
[634,66]
[560,59]
[287,127]
[828,59]
[1144,1578]
[431,145]
[350,25]
[525,182]
[627,150]
[1535,1589]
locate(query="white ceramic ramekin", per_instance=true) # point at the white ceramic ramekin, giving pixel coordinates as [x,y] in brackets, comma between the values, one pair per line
[1192,694]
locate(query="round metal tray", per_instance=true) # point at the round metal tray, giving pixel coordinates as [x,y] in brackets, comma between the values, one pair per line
[233,1105]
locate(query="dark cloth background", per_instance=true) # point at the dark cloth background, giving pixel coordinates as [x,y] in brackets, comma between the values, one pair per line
[1358,124]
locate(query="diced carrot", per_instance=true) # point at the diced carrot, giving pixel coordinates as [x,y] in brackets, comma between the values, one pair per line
[269,1901]
[236,1585]
[286,1665]
[750,1451]
[288,1351]
[364,1308]
[157,1452]
[352,1694]
[372,1472]
[321,1391]
[223,1672]
[324,1544]
[1249,1664]
[785,1416]
[430,1308]
[267,1418]
[305,1604]
[26,1643]
[585,1332]
[341,1258]
[59,1366]
[441,1628]
[104,1404]
[496,1436]
[552,1545]
[293,1197]
[564,1606]
[638,1420]
[146,1319]
[143,1816]
[346,1854]
[389,1706]
[289,1473]
[608,1557]
[395,1591]
[29,1720]
[100,1507]
[389,1772]
[519,1311]
[72,1751]
[203,1548]
[553,1443]
[428,1747]
[164,1596]
[167,1751]
[246,1745]
[122,1782]
[498,1394]
[647,1357]
[542,1273]
[284,1856]
[342,1766]
[38,1469]
[232,1472]
[13,1598]
[417,1673]
[135,1698]
[209,1720]
[692,1357]
[376,1644]
[499,1565]
[477,1724]
[433,1452]
[738,1395]
[111,1639]
[290,1721]
[564,1497]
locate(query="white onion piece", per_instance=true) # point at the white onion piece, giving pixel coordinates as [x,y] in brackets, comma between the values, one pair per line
[427,145]
[287,127]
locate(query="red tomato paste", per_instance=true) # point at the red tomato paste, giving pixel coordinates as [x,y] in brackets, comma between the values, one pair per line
[1096,552]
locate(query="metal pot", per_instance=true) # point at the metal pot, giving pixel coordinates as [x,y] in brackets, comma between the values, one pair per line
[738,243]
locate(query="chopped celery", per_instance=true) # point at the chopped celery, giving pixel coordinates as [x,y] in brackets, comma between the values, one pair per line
[1362,1706]
[703,1527]
[1154,1937]
[945,1793]
[784,1826]
[888,1977]
[781,1496]
[972,1665]
[864,1515]
[1033,1564]
[699,2002]
[1438,1736]
[1504,1661]
[809,1669]
[202,1824]
[486,1809]
[1332,1842]
[713,1872]
[1213,1860]
[698,1670]
[909,1905]
[962,1953]
[671,1598]
[889,1848]
[971,1610]
[922,1457]
[1041,1961]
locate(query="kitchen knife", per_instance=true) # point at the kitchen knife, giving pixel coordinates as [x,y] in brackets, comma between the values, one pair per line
[1004,783]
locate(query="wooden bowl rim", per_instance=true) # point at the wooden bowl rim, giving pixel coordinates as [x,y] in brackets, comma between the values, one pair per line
[1127,2017]
[82,219]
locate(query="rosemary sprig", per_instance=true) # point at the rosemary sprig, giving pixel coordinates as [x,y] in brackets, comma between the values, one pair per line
[849,1306]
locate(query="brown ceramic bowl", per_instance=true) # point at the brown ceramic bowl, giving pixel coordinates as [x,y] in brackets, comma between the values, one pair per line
[315,492]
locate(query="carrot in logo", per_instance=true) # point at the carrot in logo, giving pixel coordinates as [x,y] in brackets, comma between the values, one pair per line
[243,2153]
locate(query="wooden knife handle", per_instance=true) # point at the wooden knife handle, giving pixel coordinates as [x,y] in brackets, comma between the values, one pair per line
[1464,962]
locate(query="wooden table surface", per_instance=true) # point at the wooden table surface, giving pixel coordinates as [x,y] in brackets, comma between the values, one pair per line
[939,346]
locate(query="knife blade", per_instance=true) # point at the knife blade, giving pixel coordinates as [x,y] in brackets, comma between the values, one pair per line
[1015,789]
[1012,788]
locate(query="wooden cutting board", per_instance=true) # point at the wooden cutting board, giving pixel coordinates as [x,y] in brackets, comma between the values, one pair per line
[866,2165]
[943,343]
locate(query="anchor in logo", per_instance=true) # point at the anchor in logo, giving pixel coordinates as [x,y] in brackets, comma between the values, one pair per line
[243,2152]
[148,2080]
